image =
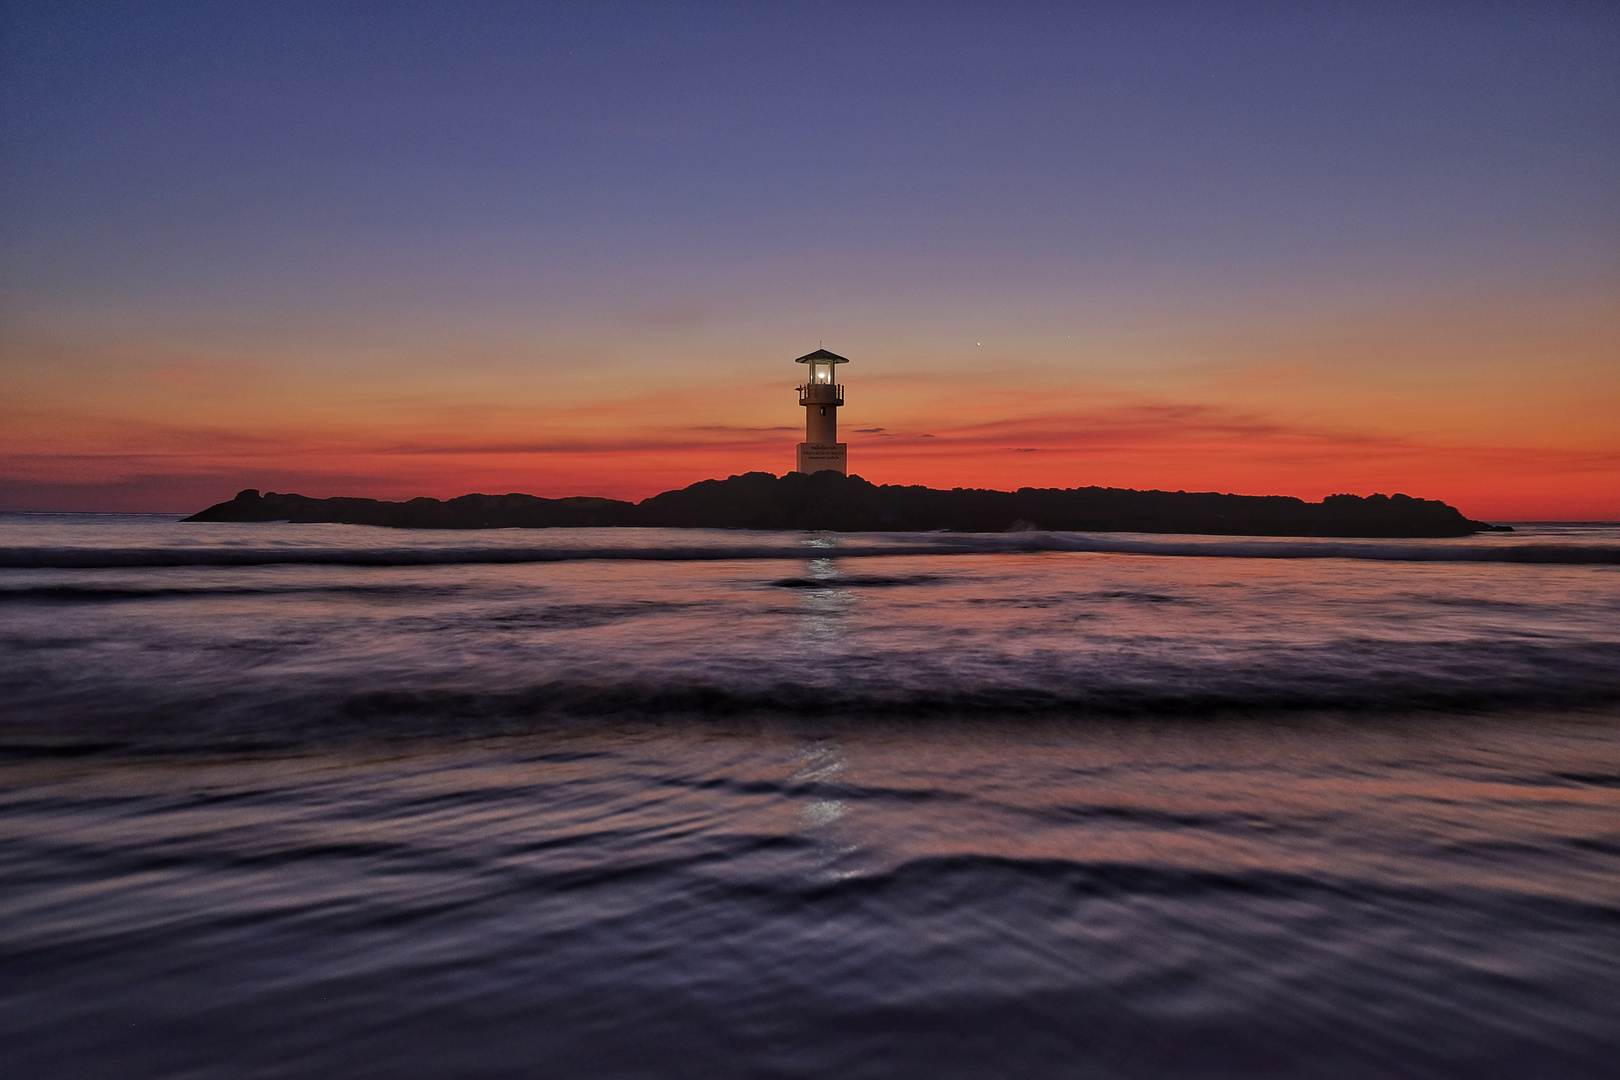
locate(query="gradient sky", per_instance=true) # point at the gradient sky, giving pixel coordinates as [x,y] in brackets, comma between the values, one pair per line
[399,249]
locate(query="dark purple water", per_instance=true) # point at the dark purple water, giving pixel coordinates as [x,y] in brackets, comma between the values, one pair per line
[789,805]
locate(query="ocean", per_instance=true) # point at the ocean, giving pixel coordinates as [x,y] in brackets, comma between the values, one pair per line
[338,801]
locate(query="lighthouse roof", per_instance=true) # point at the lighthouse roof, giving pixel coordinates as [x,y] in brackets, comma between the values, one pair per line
[823,356]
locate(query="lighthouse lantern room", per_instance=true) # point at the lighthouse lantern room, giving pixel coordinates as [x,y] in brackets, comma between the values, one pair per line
[821,394]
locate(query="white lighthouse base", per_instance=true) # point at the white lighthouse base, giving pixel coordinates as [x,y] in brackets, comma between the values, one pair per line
[821,457]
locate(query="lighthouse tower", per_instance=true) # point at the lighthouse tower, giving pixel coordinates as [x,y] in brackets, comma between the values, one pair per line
[821,395]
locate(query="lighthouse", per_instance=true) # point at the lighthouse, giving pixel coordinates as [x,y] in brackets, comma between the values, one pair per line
[821,395]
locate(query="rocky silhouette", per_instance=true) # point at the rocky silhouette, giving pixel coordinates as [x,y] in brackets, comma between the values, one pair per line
[829,500]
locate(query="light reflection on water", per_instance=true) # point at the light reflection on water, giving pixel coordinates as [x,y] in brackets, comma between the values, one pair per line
[1429,890]
[1029,814]
[1401,895]
[825,606]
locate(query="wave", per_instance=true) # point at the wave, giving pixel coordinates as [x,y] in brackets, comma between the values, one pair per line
[981,877]
[855,581]
[1373,678]
[66,558]
[1576,677]
[110,593]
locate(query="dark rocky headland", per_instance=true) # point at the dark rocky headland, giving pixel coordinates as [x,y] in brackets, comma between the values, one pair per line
[829,500]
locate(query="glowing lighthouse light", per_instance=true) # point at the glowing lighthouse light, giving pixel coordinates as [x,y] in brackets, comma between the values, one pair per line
[821,395]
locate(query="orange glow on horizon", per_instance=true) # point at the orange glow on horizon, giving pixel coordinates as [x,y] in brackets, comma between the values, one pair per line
[630,448]
[1511,418]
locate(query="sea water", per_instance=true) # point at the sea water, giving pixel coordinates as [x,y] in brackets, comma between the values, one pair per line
[335,801]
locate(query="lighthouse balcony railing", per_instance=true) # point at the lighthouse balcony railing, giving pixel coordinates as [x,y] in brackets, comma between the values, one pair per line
[817,393]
